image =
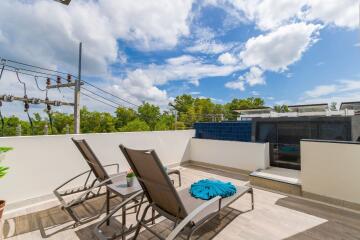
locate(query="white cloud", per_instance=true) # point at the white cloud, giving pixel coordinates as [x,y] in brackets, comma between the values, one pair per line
[192,69]
[253,77]
[208,47]
[321,91]
[227,58]
[271,14]
[203,41]
[274,51]
[344,13]
[342,90]
[150,25]
[143,83]
[51,31]
[180,60]
[239,85]
[47,33]
[277,50]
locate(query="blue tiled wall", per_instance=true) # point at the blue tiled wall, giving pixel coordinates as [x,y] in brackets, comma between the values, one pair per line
[233,131]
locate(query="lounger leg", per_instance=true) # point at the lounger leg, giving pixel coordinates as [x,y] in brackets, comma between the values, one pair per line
[179,179]
[74,217]
[140,222]
[107,205]
[252,199]
[189,235]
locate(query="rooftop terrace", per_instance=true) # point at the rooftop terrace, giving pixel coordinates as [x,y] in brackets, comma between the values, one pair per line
[33,212]
[276,216]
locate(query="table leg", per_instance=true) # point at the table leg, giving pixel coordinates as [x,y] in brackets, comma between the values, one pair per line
[123,215]
[153,216]
[107,206]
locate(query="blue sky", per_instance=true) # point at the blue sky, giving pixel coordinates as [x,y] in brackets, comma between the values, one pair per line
[287,52]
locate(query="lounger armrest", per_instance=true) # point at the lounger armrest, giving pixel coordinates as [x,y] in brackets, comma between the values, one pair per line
[100,184]
[97,230]
[72,179]
[57,191]
[191,216]
[82,174]
[112,165]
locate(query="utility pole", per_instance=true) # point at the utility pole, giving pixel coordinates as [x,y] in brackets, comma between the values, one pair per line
[77,96]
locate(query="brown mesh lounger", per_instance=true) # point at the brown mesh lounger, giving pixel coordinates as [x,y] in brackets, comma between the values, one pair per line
[89,189]
[177,206]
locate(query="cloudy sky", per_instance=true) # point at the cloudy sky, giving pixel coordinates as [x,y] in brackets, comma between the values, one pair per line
[283,51]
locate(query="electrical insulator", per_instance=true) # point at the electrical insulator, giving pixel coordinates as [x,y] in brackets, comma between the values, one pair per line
[69,78]
[48,82]
[0,103]
[26,107]
[58,80]
[35,101]
[48,108]
[8,98]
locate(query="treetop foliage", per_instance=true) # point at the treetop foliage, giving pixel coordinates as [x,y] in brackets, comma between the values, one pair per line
[183,112]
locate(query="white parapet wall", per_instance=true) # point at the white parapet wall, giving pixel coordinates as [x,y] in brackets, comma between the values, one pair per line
[246,156]
[331,169]
[41,163]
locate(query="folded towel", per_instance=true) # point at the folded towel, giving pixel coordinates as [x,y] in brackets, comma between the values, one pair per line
[207,189]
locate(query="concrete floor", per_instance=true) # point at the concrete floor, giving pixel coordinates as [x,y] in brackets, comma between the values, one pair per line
[276,216]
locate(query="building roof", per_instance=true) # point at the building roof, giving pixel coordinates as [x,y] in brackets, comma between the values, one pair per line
[309,107]
[350,106]
[254,110]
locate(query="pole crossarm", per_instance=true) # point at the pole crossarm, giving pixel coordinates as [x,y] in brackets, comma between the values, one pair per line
[63,85]
[10,98]
[66,2]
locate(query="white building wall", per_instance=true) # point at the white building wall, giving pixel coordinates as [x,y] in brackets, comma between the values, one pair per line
[331,169]
[39,164]
[239,155]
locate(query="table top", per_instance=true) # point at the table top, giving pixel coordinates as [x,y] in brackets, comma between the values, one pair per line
[120,187]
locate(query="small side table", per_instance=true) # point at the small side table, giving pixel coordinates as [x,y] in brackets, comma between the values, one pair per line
[175,172]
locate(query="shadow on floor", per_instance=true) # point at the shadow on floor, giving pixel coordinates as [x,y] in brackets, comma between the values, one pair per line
[163,228]
[53,220]
[341,223]
[238,176]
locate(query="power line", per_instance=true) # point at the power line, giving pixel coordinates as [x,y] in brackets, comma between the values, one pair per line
[27,74]
[33,66]
[98,95]
[94,86]
[98,100]
[36,75]
[33,71]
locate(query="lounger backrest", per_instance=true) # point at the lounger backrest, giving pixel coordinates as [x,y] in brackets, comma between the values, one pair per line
[91,159]
[154,180]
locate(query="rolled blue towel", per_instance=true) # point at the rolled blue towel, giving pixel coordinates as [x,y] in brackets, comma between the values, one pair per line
[207,189]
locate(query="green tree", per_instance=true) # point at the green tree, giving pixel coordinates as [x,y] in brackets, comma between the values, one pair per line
[180,126]
[150,114]
[124,116]
[241,104]
[135,125]
[182,103]
[61,121]
[96,122]
[333,106]
[281,108]
[165,122]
